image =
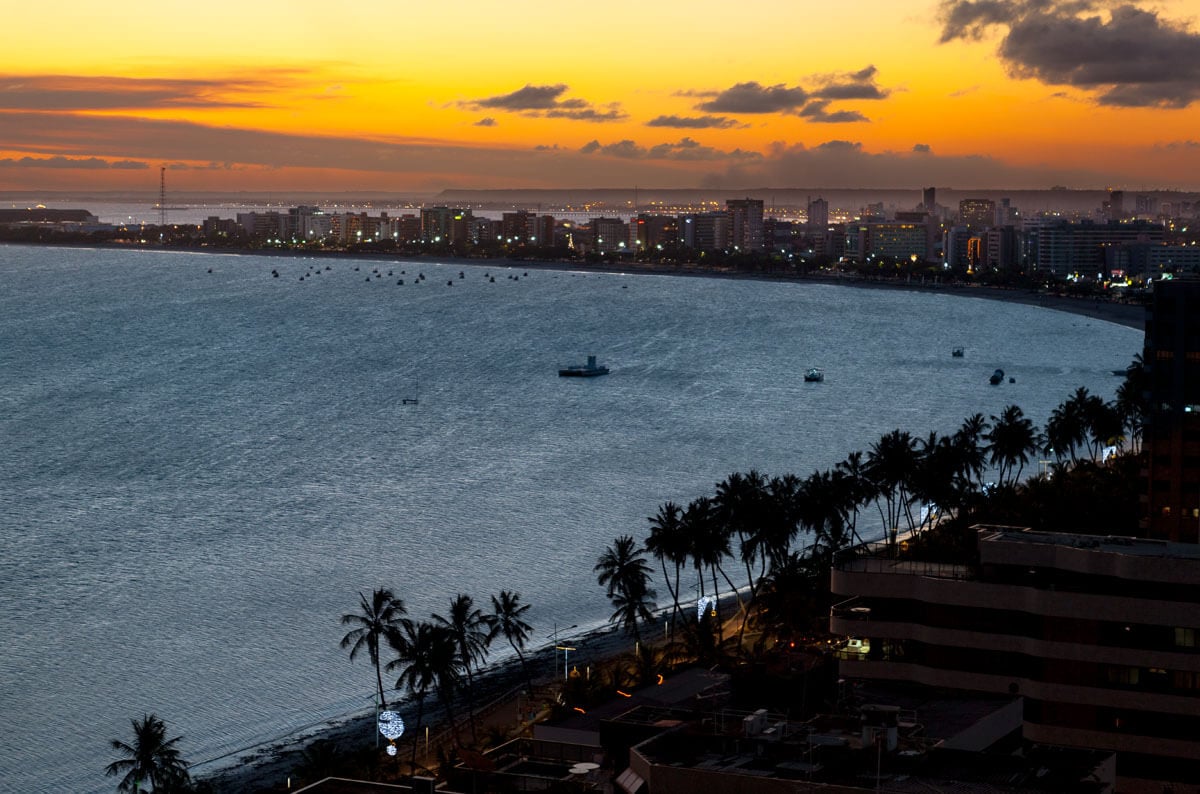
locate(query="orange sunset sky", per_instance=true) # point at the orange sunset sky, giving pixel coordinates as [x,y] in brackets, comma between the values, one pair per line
[308,96]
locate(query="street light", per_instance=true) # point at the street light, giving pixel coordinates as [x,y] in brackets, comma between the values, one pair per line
[562,648]
[566,649]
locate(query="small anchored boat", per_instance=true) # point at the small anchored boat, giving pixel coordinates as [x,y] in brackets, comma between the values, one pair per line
[814,375]
[589,370]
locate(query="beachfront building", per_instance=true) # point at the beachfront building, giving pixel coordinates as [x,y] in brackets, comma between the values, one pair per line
[1096,635]
[445,225]
[1062,248]
[705,231]
[610,236]
[656,232]
[1150,260]
[888,241]
[745,223]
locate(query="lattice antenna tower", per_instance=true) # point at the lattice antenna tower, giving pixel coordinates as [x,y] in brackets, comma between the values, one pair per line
[162,196]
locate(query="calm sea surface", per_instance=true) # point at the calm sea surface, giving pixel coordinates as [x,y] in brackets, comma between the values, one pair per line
[200,471]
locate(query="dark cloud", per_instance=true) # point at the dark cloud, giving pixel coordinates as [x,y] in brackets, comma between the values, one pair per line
[613,113]
[1178,145]
[70,92]
[416,163]
[531,97]
[755,98]
[546,101]
[855,85]
[847,163]
[486,122]
[817,111]
[1126,57]
[58,161]
[684,149]
[811,103]
[692,122]
[922,148]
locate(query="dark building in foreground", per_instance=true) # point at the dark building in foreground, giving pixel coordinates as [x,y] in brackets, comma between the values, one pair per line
[1172,434]
[1096,635]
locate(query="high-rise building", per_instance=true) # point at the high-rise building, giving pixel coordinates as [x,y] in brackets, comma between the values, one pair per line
[445,224]
[656,231]
[1097,635]
[610,235]
[977,214]
[1114,206]
[818,214]
[746,223]
[893,241]
[929,200]
[1172,432]
[1064,248]
[706,231]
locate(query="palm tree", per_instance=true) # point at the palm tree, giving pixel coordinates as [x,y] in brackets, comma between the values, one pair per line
[740,507]
[472,635]
[631,605]
[507,619]
[856,489]
[378,618]
[824,514]
[970,441]
[1132,404]
[890,463]
[151,759]
[1011,441]
[428,660]
[668,542]
[708,546]
[781,522]
[1066,429]
[623,570]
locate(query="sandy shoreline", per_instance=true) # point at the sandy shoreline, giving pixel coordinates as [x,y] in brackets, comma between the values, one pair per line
[1131,315]
[270,764]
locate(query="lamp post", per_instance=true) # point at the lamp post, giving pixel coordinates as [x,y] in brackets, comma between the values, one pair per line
[558,647]
[566,649]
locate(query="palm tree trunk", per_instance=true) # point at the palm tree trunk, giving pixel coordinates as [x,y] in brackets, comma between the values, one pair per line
[379,680]
[524,667]
[417,732]
[442,696]
[471,702]
[672,590]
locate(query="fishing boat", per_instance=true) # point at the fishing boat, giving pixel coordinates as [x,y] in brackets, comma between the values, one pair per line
[997,377]
[814,375]
[589,370]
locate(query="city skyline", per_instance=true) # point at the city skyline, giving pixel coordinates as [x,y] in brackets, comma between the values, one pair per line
[1005,94]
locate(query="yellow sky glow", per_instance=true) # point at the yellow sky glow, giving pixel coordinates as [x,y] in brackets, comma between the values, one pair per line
[532,93]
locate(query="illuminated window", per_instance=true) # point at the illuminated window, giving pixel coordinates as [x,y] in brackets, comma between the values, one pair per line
[1185,638]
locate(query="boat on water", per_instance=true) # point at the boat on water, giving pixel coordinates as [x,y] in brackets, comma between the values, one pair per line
[997,377]
[589,370]
[814,375]
[958,352]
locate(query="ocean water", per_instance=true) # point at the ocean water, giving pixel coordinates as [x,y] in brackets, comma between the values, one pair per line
[202,465]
